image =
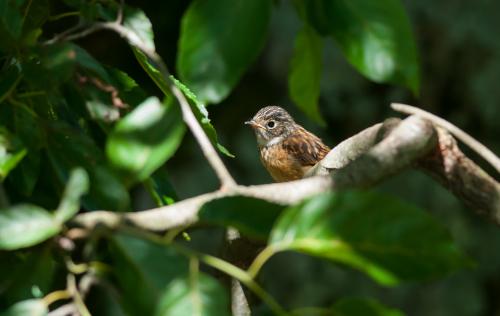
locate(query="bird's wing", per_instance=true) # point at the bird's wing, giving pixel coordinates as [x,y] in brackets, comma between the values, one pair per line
[306,148]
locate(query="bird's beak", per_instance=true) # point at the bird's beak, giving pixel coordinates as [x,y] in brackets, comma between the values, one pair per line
[253,124]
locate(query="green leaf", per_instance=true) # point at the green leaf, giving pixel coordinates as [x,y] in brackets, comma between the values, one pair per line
[160,188]
[25,225]
[362,307]
[251,216]
[201,113]
[50,66]
[375,37]
[198,107]
[305,73]
[9,78]
[85,60]
[137,22]
[146,138]
[11,18]
[21,274]
[11,152]
[27,127]
[218,42]
[140,264]
[78,185]
[387,239]
[198,294]
[33,307]
[69,148]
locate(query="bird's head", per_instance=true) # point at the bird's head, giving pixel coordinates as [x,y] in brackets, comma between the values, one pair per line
[271,125]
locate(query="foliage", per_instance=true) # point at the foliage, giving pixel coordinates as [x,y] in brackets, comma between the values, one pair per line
[77,135]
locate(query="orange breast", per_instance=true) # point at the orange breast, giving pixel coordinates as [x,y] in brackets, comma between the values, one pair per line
[282,166]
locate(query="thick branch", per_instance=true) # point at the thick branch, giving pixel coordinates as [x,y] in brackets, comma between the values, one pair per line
[404,144]
[479,148]
[468,182]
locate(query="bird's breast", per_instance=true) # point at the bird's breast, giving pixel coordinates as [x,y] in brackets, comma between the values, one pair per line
[280,164]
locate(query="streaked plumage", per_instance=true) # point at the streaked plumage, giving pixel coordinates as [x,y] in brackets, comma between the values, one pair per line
[287,150]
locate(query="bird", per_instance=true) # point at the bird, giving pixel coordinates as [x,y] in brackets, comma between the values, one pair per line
[287,150]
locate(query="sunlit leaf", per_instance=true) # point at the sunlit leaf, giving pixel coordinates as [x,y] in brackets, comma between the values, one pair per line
[388,240]
[251,216]
[146,138]
[78,185]
[375,37]
[25,225]
[198,107]
[305,72]
[137,22]
[33,307]
[362,307]
[11,152]
[198,294]
[218,42]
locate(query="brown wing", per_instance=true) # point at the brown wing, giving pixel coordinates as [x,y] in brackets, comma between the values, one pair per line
[306,147]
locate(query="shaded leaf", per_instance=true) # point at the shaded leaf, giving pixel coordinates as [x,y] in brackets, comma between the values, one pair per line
[375,37]
[150,267]
[11,17]
[69,148]
[362,307]
[11,152]
[218,42]
[198,107]
[25,225]
[146,138]
[33,307]
[388,240]
[78,185]
[305,73]
[50,66]
[9,78]
[251,216]
[160,188]
[26,126]
[197,294]
[20,275]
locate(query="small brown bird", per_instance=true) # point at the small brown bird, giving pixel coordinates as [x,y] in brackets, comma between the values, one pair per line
[287,150]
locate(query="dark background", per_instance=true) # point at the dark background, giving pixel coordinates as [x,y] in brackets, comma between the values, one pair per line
[459,48]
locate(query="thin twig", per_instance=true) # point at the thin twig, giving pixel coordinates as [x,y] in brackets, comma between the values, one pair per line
[479,148]
[119,16]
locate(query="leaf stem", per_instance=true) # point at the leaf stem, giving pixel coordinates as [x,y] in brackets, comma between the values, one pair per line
[64,15]
[246,279]
[56,296]
[77,298]
[261,259]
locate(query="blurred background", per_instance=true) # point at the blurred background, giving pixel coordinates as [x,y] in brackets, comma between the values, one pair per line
[459,47]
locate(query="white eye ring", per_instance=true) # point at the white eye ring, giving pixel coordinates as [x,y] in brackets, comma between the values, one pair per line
[271,124]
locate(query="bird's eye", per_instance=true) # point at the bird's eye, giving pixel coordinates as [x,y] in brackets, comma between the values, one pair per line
[271,124]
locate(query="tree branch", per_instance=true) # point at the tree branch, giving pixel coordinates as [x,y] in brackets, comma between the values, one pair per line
[362,160]
[479,148]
